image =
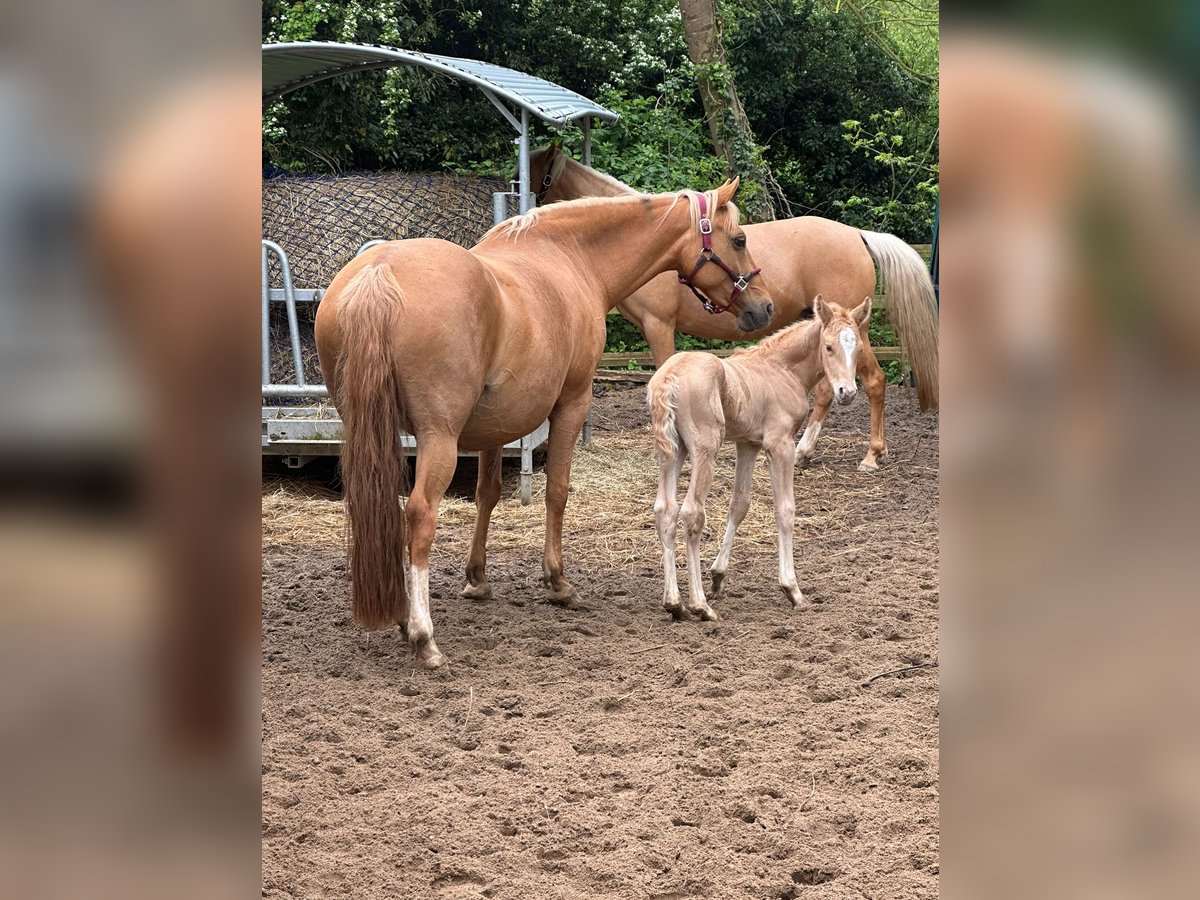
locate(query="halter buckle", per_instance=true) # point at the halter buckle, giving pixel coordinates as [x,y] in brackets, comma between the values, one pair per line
[706,226]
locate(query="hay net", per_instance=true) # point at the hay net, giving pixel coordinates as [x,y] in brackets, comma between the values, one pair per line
[321,221]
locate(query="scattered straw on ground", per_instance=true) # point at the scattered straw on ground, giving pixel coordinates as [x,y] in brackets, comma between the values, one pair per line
[610,517]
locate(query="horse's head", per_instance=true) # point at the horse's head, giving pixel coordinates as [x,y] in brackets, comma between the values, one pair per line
[841,343]
[545,165]
[730,283]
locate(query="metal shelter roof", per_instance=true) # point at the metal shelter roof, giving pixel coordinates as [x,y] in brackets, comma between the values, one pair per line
[286,67]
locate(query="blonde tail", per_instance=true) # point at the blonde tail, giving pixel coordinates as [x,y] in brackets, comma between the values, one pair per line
[912,308]
[662,396]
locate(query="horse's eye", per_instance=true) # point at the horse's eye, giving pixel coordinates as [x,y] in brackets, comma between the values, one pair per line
[740,242]
[829,348]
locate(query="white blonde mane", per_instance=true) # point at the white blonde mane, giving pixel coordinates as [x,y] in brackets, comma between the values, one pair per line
[515,227]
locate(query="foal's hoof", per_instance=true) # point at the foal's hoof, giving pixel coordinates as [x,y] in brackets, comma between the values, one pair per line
[428,655]
[478,591]
[675,611]
[794,595]
[705,613]
[718,581]
[865,466]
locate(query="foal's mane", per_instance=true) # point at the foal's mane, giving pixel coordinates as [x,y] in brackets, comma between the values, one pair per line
[786,335]
[515,227]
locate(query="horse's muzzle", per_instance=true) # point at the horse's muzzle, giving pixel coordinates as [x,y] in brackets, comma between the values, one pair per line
[845,394]
[757,317]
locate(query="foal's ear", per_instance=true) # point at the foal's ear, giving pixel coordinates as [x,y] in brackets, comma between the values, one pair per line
[824,313]
[726,191]
[862,312]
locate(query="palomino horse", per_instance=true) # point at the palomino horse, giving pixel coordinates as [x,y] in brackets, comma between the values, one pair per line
[757,398]
[470,349]
[806,256]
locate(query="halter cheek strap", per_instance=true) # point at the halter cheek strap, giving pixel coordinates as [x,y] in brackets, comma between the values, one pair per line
[740,282]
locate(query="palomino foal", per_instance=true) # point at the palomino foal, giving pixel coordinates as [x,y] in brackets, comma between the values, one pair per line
[756,398]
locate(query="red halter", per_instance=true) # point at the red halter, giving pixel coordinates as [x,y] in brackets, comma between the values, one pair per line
[740,282]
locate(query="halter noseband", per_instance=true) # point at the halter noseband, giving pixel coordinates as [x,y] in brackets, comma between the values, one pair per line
[740,282]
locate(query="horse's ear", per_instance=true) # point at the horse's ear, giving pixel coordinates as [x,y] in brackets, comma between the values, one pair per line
[824,313]
[726,191]
[862,312]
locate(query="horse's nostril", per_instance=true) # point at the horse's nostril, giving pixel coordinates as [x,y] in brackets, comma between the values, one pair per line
[770,309]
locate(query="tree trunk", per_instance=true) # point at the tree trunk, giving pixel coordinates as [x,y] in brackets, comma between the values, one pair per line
[732,136]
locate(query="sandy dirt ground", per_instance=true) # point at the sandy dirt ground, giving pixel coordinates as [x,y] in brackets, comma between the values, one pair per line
[606,751]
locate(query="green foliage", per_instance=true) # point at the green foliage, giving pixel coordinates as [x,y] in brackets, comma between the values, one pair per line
[904,200]
[802,69]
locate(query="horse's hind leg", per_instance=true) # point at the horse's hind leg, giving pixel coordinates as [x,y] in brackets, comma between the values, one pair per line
[487,493]
[437,456]
[666,519]
[822,398]
[704,454]
[875,384]
[739,504]
[566,421]
[782,457]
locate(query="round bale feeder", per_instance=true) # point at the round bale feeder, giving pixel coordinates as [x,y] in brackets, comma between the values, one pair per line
[312,227]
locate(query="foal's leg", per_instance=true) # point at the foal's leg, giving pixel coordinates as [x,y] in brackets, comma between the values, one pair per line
[666,519]
[739,503]
[704,454]
[875,384]
[822,398]
[437,456]
[487,492]
[565,424]
[782,457]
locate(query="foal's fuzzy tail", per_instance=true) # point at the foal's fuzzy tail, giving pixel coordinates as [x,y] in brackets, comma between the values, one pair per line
[912,308]
[374,471]
[662,395]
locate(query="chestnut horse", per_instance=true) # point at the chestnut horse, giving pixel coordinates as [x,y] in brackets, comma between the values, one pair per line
[471,349]
[806,256]
[757,398]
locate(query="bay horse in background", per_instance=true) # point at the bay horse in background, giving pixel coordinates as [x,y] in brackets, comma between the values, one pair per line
[758,397]
[805,256]
[471,349]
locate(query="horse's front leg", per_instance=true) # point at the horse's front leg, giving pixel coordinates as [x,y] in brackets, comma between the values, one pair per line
[822,398]
[565,424]
[875,384]
[660,336]
[487,493]
[437,458]
[782,458]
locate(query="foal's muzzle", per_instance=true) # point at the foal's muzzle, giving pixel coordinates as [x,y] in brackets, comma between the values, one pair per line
[845,394]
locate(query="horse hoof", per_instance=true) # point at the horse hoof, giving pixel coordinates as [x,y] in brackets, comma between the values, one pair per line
[705,613]
[428,654]
[718,581]
[865,466]
[478,591]
[565,596]
[676,612]
[795,595]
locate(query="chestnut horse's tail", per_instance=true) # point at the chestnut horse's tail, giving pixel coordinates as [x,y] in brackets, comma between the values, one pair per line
[912,308]
[662,396]
[374,471]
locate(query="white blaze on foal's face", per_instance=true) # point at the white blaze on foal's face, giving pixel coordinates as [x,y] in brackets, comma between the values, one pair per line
[849,340]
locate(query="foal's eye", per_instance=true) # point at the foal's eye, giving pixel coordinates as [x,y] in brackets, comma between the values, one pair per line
[829,348]
[740,242]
